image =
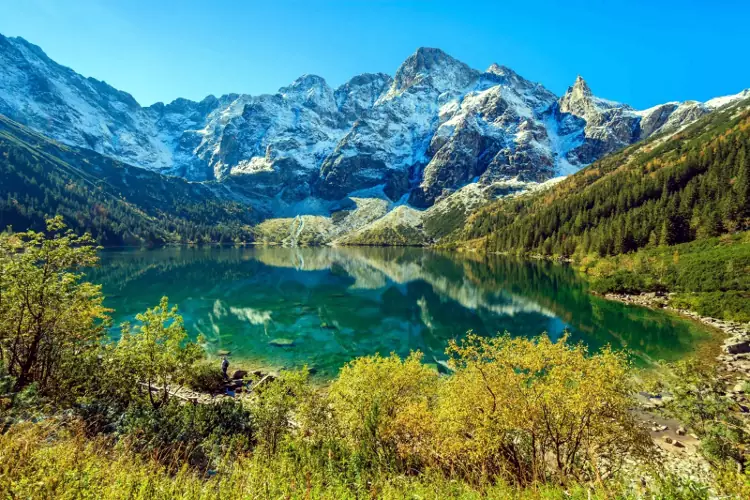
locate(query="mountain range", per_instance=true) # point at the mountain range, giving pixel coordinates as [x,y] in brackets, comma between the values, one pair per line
[414,151]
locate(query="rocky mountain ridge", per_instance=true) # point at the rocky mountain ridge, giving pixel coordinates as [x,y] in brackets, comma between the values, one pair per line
[436,129]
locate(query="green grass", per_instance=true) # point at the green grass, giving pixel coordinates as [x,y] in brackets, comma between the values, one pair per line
[48,460]
[725,305]
[710,276]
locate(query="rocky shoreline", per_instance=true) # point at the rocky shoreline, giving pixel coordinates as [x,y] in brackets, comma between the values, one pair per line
[678,448]
[734,360]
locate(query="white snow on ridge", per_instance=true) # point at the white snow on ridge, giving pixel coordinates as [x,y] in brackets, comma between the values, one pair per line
[653,109]
[718,102]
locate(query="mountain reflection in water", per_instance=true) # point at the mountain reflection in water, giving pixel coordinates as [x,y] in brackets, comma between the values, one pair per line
[286,307]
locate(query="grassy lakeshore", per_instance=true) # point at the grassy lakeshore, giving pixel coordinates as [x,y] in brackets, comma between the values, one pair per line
[84,416]
[710,276]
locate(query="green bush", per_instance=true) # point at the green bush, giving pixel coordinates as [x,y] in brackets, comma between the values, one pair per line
[620,282]
[673,487]
[730,305]
[699,402]
[6,381]
[206,377]
[196,434]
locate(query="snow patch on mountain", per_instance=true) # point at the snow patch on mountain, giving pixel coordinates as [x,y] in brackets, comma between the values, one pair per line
[718,102]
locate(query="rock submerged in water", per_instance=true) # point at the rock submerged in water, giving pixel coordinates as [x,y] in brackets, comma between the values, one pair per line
[281,342]
[444,368]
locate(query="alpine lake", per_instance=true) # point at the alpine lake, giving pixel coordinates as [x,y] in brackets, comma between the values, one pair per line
[276,308]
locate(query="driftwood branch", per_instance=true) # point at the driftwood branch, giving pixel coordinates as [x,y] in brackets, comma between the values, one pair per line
[191,399]
[261,382]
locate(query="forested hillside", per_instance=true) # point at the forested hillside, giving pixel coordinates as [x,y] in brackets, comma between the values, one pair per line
[117,203]
[692,185]
[667,215]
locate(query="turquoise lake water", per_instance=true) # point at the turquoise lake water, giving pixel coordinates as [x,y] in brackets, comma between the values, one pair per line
[276,308]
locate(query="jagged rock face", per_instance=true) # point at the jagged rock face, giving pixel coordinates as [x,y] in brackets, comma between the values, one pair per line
[420,136]
[671,116]
[391,138]
[609,125]
[277,142]
[656,118]
[181,124]
[39,93]
[496,131]
[360,93]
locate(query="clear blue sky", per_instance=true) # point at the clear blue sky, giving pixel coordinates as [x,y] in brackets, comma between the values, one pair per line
[639,52]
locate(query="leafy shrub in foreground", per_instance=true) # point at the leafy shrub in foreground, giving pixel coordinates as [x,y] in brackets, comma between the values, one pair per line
[206,377]
[156,350]
[382,406]
[509,406]
[512,403]
[49,317]
[195,434]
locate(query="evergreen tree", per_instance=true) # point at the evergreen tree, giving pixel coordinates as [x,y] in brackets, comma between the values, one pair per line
[742,182]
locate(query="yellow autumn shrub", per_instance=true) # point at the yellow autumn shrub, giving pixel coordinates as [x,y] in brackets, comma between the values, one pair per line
[526,410]
[382,405]
[532,410]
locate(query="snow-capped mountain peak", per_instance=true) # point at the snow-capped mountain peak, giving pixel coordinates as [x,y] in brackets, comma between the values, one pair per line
[434,68]
[308,89]
[499,70]
[581,101]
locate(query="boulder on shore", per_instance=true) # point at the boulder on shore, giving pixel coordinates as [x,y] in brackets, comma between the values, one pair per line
[739,348]
[239,374]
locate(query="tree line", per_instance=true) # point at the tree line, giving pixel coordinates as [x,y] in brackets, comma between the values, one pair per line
[117,204]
